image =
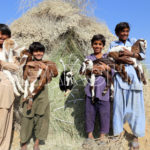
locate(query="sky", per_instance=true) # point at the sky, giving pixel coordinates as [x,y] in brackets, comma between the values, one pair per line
[111,12]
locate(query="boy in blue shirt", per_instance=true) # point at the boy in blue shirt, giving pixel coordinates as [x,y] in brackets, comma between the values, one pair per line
[128,99]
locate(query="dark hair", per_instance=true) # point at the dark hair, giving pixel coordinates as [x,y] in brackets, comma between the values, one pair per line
[36,46]
[5,30]
[98,37]
[120,26]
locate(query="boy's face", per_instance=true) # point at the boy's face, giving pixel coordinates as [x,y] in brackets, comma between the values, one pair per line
[3,37]
[97,46]
[123,35]
[38,55]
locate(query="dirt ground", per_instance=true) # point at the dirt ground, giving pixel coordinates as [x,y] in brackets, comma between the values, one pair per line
[62,142]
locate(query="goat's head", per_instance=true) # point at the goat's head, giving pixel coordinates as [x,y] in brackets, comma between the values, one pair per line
[69,74]
[143,45]
[25,56]
[9,44]
[139,46]
[86,65]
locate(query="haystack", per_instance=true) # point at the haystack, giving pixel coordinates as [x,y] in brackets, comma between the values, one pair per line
[66,34]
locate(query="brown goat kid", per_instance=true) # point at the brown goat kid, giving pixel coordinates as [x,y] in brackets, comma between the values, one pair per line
[33,72]
[138,47]
[102,67]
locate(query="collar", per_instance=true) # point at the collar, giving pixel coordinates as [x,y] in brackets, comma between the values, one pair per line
[128,40]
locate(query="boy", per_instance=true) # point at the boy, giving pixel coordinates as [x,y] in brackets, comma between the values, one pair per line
[128,99]
[38,119]
[102,103]
[6,93]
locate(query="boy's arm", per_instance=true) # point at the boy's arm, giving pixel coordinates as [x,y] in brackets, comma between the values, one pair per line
[12,67]
[51,66]
[54,70]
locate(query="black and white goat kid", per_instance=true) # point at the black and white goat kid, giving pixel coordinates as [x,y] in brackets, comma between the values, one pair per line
[66,82]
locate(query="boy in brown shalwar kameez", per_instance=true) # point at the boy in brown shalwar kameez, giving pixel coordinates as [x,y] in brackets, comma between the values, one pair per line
[38,119]
[6,93]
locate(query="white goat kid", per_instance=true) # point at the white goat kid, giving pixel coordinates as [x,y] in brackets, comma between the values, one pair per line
[10,51]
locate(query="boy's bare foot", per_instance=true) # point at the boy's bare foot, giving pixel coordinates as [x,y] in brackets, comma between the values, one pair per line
[36,148]
[90,135]
[24,147]
[102,135]
[102,139]
[135,144]
[36,145]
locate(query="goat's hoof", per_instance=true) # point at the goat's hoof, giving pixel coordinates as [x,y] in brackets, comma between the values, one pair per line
[22,91]
[17,94]
[111,98]
[93,100]
[29,107]
[144,82]
[28,111]
[104,93]
[130,82]
[125,80]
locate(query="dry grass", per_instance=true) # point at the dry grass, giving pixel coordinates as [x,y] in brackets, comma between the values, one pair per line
[52,20]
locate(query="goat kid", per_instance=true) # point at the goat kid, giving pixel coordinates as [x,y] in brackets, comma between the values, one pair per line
[33,72]
[66,79]
[11,52]
[139,46]
[66,82]
[92,69]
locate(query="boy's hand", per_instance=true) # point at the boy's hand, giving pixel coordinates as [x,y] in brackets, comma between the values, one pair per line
[42,65]
[126,53]
[125,60]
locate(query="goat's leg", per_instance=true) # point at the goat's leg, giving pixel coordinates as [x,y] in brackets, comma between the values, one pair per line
[123,74]
[126,77]
[138,72]
[143,79]
[11,79]
[118,68]
[111,92]
[67,90]
[32,86]
[30,103]
[37,89]
[29,96]
[41,83]
[26,89]
[108,82]
[18,84]
[92,82]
